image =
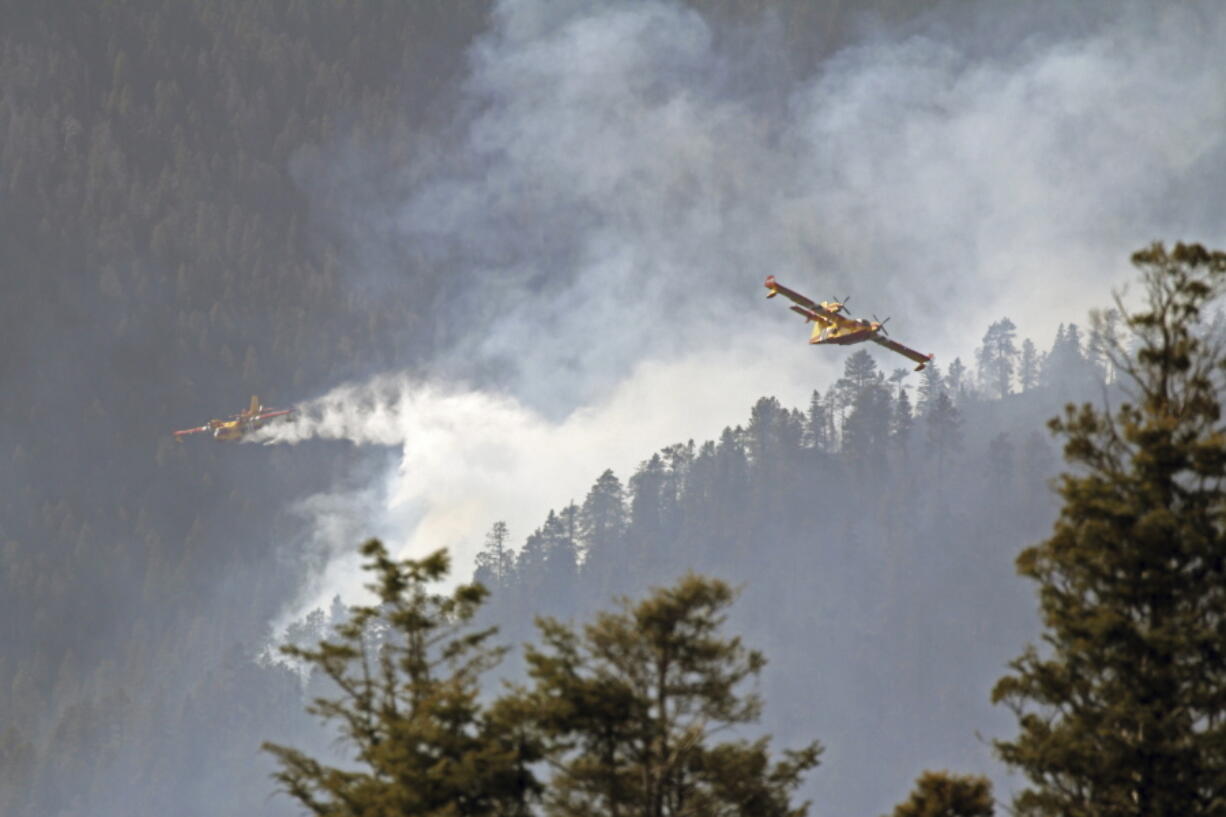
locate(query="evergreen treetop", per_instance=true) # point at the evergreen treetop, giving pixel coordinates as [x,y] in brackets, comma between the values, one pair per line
[1123,712]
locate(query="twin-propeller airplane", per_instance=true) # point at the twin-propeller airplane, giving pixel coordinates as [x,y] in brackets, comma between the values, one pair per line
[238,425]
[831,327]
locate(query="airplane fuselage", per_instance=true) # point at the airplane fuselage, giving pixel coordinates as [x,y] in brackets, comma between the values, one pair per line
[846,338]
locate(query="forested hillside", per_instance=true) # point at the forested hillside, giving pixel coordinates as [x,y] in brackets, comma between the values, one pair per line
[171,245]
[874,532]
[160,264]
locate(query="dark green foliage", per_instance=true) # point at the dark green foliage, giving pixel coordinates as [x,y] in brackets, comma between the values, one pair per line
[1001,468]
[998,358]
[902,424]
[944,430]
[1123,712]
[859,370]
[956,380]
[496,561]
[630,705]
[931,384]
[941,794]
[1029,365]
[602,528]
[1066,367]
[406,672]
[624,712]
[818,431]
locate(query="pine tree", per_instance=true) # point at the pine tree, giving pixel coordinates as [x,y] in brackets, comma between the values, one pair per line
[1048,371]
[940,794]
[1000,467]
[496,561]
[1066,366]
[646,504]
[957,380]
[561,551]
[532,560]
[678,460]
[1028,366]
[1124,711]
[931,384]
[860,369]
[767,437]
[997,357]
[405,676]
[866,430]
[816,423]
[602,527]
[1104,334]
[629,707]
[902,423]
[944,430]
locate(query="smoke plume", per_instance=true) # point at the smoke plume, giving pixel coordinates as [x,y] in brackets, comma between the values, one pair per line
[467,457]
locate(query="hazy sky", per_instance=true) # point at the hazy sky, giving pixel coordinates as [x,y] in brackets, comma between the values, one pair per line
[616,181]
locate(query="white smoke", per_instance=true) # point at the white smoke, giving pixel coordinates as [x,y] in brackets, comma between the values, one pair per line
[467,458]
[622,181]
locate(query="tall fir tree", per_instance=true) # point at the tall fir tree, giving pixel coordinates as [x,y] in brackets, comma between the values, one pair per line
[941,794]
[998,358]
[902,424]
[1028,366]
[1053,357]
[496,561]
[957,380]
[944,431]
[602,522]
[931,384]
[866,430]
[646,507]
[405,676]
[1124,710]
[817,422]
[1104,334]
[629,708]
[859,370]
[1000,468]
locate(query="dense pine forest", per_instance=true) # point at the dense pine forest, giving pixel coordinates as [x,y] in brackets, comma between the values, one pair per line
[176,185]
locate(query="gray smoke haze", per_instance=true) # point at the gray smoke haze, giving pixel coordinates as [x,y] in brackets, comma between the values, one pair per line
[617,182]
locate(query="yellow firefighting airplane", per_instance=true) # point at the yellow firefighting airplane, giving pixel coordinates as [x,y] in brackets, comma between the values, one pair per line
[831,327]
[238,425]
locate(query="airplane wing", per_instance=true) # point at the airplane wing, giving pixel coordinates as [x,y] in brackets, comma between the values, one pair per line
[191,431]
[268,414]
[820,316]
[811,309]
[894,346]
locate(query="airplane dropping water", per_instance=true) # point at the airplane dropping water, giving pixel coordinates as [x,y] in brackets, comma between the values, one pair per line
[238,425]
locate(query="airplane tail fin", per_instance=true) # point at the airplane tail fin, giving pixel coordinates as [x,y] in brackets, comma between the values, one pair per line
[254,407]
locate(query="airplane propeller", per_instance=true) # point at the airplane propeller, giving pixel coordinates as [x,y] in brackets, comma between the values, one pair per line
[881,325]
